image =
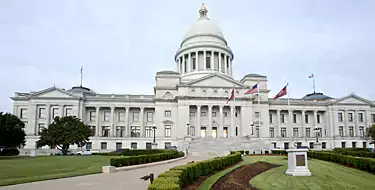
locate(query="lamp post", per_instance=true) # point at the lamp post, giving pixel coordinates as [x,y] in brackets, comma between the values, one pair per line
[188,128]
[154,128]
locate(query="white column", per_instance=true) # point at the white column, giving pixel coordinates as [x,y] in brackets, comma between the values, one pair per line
[303,133]
[226,63]
[315,123]
[346,121]
[97,117]
[290,121]
[178,65]
[198,127]
[127,126]
[48,115]
[141,122]
[233,128]
[113,128]
[356,118]
[204,60]
[230,65]
[209,130]
[221,122]
[183,64]
[278,130]
[189,62]
[219,55]
[367,119]
[212,60]
[196,61]
[61,110]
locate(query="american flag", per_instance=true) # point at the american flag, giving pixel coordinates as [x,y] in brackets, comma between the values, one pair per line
[311,76]
[253,90]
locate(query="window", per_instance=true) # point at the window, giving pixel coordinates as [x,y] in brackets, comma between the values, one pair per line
[354,144]
[341,131]
[88,145]
[192,114]
[55,112]
[294,118]
[213,114]
[167,113]
[343,144]
[203,114]
[324,145]
[133,146]
[373,118]
[283,132]
[361,131]
[42,113]
[118,145]
[120,131]
[282,119]
[194,63]
[351,131]
[121,116]
[135,131]
[295,132]
[306,118]
[150,116]
[41,126]
[286,145]
[103,145]
[364,144]
[236,131]
[135,116]
[107,115]
[257,130]
[192,130]
[105,131]
[148,131]
[225,132]
[236,114]
[299,144]
[225,114]
[167,145]
[360,117]
[274,145]
[256,115]
[23,113]
[340,116]
[92,115]
[308,132]
[92,128]
[68,112]
[311,145]
[272,132]
[148,145]
[167,131]
[350,117]
[318,118]
[270,118]
[208,62]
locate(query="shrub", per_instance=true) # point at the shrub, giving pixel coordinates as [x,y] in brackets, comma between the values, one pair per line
[282,152]
[247,152]
[9,152]
[366,164]
[177,177]
[351,149]
[142,159]
[234,151]
[357,152]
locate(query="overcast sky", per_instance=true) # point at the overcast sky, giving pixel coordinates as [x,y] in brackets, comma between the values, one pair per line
[122,44]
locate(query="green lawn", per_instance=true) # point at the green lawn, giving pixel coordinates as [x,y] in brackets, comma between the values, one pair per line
[14,170]
[326,175]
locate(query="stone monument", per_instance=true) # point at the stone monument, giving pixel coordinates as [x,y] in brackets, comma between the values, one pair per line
[297,163]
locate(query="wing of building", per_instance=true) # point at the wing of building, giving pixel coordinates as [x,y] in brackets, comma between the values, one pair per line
[190,108]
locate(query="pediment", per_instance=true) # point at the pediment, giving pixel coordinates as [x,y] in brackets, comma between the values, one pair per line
[353,99]
[215,80]
[168,121]
[52,93]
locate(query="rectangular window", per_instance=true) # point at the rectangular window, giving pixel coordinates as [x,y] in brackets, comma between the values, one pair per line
[354,144]
[341,131]
[225,114]
[42,113]
[105,131]
[311,145]
[294,118]
[192,130]
[150,117]
[118,145]
[194,63]
[283,132]
[299,144]
[167,113]
[364,145]
[257,115]
[41,126]
[343,144]
[92,128]
[236,114]
[361,131]
[306,118]
[107,115]
[167,131]
[92,115]
[282,119]
[208,62]
[350,117]
[203,114]
[192,114]
[340,117]
[120,131]
[272,132]
[88,145]
[213,114]
[295,132]
[148,131]
[68,112]
[23,113]
[103,145]
[148,145]
[133,146]
[318,118]
[257,130]
[135,131]
[351,131]
[324,145]
[274,145]
[308,132]
[373,118]
[360,117]
[121,116]
[270,118]
[55,112]
[167,145]
[286,145]
[135,116]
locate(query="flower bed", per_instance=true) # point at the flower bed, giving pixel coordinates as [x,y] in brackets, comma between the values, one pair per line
[179,176]
[143,159]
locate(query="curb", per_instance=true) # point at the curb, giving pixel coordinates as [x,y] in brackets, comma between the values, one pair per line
[112,169]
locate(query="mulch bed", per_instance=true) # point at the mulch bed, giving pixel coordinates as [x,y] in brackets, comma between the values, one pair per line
[201,179]
[239,178]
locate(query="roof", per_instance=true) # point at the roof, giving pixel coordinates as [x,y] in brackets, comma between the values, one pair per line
[316,96]
[167,72]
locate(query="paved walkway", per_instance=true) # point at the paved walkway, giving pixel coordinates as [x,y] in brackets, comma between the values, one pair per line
[124,180]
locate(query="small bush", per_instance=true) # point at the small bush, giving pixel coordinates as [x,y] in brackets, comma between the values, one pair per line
[142,159]
[281,152]
[247,152]
[9,152]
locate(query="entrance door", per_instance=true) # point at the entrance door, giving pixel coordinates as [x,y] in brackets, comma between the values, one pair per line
[203,132]
[225,132]
[214,132]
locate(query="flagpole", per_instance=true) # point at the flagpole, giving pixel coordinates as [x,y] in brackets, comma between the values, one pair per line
[314,82]
[81,75]
[290,115]
[260,148]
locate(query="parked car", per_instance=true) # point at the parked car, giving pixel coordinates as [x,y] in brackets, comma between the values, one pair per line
[87,152]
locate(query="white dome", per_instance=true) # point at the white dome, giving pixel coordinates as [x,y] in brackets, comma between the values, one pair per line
[204,27]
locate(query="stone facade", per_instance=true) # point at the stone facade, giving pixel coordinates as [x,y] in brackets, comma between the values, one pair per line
[189,108]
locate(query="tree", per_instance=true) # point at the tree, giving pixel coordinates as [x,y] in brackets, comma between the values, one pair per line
[64,132]
[12,134]
[370,132]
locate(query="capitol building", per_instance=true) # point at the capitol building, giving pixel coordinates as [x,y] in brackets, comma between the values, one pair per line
[190,109]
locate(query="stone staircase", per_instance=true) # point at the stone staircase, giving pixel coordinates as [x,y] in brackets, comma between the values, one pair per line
[213,147]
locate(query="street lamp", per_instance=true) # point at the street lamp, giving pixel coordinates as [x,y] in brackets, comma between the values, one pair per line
[188,127]
[154,128]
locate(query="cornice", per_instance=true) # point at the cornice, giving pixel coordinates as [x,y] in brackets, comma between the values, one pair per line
[182,49]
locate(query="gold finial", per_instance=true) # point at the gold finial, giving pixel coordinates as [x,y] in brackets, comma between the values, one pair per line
[203,11]
[203,6]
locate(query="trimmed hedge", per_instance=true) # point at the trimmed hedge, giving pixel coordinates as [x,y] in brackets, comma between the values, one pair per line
[365,164]
[351,149]
[142,159]
[357,152]
[282,152]
[177,177]
[127,152]
[234,151]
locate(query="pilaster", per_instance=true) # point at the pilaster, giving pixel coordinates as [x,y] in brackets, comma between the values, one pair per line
[48,115]
[127,125]
[97,119]
[221,122]
[113,129]
[209,128]
[233,127]
[198,127]
[141,121]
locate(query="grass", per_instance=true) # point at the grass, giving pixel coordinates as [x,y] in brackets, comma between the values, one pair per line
[15,170]
[325,175]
